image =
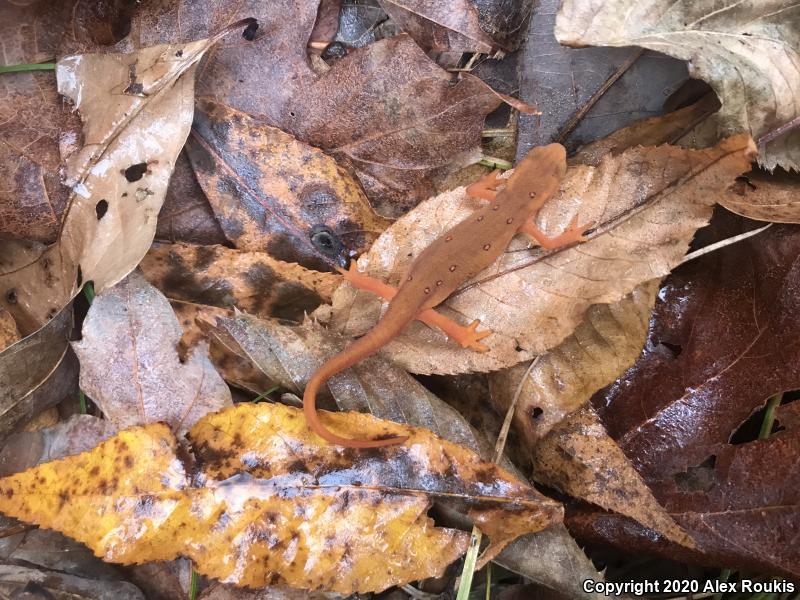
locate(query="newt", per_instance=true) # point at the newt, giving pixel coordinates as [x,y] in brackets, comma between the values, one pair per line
[448,262]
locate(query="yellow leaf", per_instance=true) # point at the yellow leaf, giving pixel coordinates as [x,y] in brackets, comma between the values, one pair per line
[271,503]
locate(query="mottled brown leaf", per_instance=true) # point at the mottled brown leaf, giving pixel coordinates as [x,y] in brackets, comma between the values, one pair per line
[130,365]
[253,282]
[271,193]
[723,339]
[648,201]
[8,329]
[363,527]
[767,197]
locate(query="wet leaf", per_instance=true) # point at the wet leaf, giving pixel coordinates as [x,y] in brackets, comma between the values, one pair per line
[459,25]
[271,192]
[253,282]
[385,109]
[579,458]
[603,345]
[136,110]
[365,527]
[748,52]
[531,300]
[130,365]
[18,581]
[723,339]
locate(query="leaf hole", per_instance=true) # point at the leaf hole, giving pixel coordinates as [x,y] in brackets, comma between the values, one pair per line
[699,478]
[135,172]
[675,349]
[101,208]
[11,296]
[249,32]
[536,412]
[79,278]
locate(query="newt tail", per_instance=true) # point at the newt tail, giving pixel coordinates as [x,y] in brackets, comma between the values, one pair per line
[363,347]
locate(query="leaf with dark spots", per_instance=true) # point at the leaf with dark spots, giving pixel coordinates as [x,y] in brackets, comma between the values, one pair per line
[251,281]
[358,537]
[270,191]
[735,314]
[386,108]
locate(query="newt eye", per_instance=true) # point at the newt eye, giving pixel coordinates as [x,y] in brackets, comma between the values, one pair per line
[328,243]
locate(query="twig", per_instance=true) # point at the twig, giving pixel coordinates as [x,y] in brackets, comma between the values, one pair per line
[776,133]
[722,243]
[575,119]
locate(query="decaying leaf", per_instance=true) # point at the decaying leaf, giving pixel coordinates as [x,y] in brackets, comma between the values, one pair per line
[459,25]
[724,337]
[386,109]
[130,365]
[603,345]
[136,110]
[264,475]
[253,282]
[648,202]
[767,197]
[749,52]
[22,581]
[272,193]
[36,372]
[580,458]
[8,329]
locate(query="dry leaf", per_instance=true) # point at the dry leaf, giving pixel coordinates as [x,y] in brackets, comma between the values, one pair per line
[36,372]
[767,197]
[362,529]
[454,26]
[579,458]
[271,192]
[603,345]
[130,365]
[8,329]
[386,109]
[749,52]
[253,282]
[648,202]
[136,110]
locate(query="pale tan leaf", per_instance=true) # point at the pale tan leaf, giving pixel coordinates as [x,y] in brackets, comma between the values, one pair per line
[765,197]
[8,329]
[749,52]
[563,379]
[137,110]
[580,458]
[130,365]
[648,202]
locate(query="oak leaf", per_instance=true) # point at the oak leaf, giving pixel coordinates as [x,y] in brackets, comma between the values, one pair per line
[648,202]
[275,506]
[130,365]
[749,52]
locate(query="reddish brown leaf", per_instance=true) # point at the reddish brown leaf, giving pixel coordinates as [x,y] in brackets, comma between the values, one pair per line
[725,336]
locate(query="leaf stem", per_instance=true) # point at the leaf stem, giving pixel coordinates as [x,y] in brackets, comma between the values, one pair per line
[28,67]
[769,416]
[263,395]
[193,585]
[82,402]
[88,291]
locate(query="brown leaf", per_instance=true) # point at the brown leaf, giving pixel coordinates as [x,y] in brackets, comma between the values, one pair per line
[386,109]
[723,339]
[118,177]
[186,215]
[530,299]
[321,505]
[271,192]
[253,282]
[17,580]
[748,52]
[767,197]
[443,26]
[130,365]
[579,458]
[36,372]
[8,329]
[327,23]
[603,345]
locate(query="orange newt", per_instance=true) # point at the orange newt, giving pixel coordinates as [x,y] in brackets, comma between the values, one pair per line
[452,259]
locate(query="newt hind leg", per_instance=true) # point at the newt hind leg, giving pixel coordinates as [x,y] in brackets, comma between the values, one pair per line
[466,337]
